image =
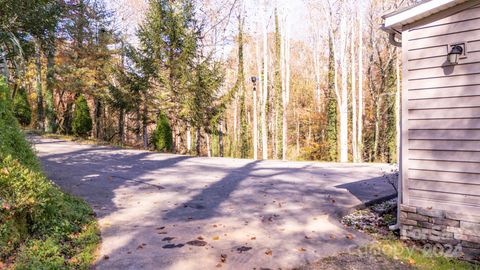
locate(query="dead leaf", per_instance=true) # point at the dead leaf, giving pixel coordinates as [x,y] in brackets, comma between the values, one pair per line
[302,250]
[306,237]
[253,238]
[106,257]
[243,249]
[223,258]
[197,243]
[5,172]
[411,261]
[333,201]
[349,236]
[268,252]
[216,237]
[200,238]
[161,228]
[219,265]
[333,236]
[140,247]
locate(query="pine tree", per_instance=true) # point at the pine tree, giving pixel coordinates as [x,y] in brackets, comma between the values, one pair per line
[162,137]
[82,122]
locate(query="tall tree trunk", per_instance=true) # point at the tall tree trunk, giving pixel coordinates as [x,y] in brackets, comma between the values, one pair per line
[265,92]
[209,151]
[145,123]
[377,128]
[279,82]
[98,116]
[354,96]
[189,138]
[360,91]
[344,91]
[121,126]
[40,121]
[197,141]
[51,119]
[220,138]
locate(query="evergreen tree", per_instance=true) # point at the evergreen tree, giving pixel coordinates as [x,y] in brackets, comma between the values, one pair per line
[240,85]
[170,36]
[82,122]
[162,137]
[332,128]
[22,108]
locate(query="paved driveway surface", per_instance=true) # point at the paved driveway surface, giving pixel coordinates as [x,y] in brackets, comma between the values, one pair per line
[162,211]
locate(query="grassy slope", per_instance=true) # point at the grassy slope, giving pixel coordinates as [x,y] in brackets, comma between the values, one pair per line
[40,226]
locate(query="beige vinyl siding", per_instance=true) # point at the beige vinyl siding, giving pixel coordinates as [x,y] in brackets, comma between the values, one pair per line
[441,113]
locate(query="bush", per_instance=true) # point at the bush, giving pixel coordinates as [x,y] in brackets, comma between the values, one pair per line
[40,226]
[162,137]
[82,122]
[21,108]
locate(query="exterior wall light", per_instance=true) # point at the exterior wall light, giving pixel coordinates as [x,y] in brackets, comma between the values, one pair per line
[455,53]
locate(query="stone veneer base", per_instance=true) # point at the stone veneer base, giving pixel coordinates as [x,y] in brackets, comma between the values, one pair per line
[452,234]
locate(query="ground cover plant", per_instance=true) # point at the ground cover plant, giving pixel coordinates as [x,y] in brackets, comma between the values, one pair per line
[40,226]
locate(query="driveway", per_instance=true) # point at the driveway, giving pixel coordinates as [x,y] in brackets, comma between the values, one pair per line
[162,211]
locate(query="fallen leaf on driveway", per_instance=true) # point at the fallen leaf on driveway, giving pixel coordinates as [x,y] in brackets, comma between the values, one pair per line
[333,236]
[243,249]
[168,239]
[223,258]
[302,250]
[106,257]
[268,252]
[219,265]
[349,236]
[200,238]
[253,238]
[216,237]
[197,243]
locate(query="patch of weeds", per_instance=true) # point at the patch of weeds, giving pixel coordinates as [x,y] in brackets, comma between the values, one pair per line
[419,258]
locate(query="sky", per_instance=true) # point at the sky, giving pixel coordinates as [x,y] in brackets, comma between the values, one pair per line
[132,11]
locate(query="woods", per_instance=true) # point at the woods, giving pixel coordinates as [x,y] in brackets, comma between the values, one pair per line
[213,78]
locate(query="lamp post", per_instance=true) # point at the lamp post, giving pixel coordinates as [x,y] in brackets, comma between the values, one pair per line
[255,120]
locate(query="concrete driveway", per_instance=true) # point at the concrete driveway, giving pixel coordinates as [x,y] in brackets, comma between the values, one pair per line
[162,211]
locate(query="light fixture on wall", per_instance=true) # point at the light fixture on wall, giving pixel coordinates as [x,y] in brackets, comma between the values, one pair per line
[454,54]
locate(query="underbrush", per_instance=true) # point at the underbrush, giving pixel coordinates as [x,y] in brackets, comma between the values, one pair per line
[40,226]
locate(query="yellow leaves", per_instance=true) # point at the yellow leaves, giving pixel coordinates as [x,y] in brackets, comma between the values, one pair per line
[268,252]
[411,261]
[5,171]
[302,249]
[216,237]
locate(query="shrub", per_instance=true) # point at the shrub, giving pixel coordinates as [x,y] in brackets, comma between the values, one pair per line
[21,108]
[162,137]
[82,122]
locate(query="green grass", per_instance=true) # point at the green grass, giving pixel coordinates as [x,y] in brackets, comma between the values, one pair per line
[419,258]
[40,226]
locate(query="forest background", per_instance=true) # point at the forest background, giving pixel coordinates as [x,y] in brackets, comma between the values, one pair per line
[291,80]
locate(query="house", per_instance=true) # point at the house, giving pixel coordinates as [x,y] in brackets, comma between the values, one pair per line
[440,125]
